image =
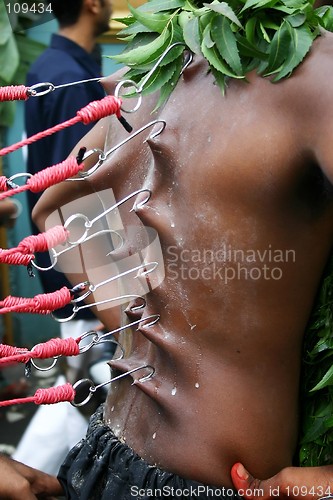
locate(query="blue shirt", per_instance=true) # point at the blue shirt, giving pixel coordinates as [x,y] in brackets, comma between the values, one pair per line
[62,62]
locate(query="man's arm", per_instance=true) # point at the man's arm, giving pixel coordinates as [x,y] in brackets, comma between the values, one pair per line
[20,482]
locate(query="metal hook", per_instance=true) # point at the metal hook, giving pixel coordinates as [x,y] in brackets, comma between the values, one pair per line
[139,88]
[13,185]
[54,255]
[158,62]
[154,317]
[97,339]
[103,156]
[93,388]
[33,92]
[89,223]
[76,309]
[82,350]
[92,288]
[188,62]
[153,265]
[40,368]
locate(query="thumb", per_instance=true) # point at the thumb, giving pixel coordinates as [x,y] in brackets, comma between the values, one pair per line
[247,486]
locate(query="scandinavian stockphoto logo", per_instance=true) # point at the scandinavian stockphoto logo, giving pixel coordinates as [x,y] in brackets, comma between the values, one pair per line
[121,260]
[227,263]
[22,13]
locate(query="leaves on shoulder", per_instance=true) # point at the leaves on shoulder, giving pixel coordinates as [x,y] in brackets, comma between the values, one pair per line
[272,36]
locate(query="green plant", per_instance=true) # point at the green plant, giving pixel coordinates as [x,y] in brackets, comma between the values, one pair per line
[271,36]
[17,52]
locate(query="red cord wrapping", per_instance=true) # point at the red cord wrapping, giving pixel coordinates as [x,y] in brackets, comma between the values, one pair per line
[49,349]
[45,178]
[48,396]
[35,243]
[40,304]
[14,93]
[16,259]
[94,111]
[3,183]
[9,350]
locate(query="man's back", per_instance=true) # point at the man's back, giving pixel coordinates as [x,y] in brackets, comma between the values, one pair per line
[244,215]
[242,203]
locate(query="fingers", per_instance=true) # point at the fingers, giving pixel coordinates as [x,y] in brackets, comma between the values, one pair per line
[13,485]
[246,485]
[39,482]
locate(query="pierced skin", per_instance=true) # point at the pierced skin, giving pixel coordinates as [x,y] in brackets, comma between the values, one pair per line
[248,171]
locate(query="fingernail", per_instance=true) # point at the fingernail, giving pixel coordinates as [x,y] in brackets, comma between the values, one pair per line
[242,472]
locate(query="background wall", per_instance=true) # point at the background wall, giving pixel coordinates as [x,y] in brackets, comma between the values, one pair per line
[27,328]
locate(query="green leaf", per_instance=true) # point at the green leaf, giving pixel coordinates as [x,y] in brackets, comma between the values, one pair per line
[294,4]
[160,78]
[314,431]
[5,27]
[176,31]
[278,49]
[268,23]
[326,15]
[226,43]
[296,20]
[9,60]
[28,50]
[250,29]
[190,25]
[134,29]
[224,9]
[301,41]
[145,53]
[258,4]
[161,5]
[329,422]
[264,32]
[247,49]
[155,22]
[207,39]
[213,57]
[169,87]
[325,381]
[128,20]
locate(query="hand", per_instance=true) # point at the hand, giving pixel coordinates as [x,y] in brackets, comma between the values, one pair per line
[18,481]
[308,483]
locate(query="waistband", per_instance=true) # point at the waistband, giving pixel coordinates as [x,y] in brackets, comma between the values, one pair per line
[101,467]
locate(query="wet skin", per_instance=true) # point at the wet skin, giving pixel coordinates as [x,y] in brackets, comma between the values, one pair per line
[248,172]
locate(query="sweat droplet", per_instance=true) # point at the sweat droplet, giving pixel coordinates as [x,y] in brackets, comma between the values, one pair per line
[172,224]
[174,391]
[197,385]
[154,435]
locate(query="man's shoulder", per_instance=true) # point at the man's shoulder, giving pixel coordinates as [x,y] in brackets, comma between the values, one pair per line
[321,52]
[323,44]
[314,76]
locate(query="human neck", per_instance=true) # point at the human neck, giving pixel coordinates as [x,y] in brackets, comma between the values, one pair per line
[80,33]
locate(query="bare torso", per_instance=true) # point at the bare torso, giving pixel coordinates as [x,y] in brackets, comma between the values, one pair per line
[244,215]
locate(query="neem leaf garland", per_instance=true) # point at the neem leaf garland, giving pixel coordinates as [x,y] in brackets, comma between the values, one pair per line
[272,36]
